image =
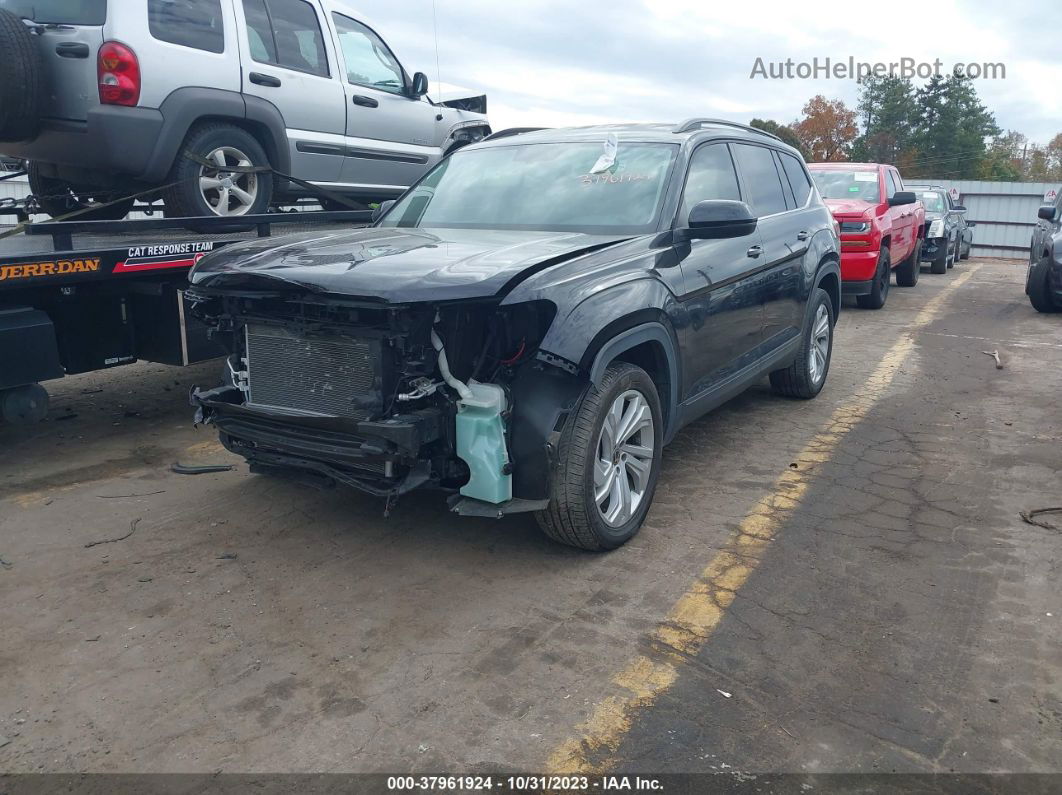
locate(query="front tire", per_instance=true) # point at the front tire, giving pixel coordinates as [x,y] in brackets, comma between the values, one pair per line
[806,376]
[607,462]
[212,190]
[1039,288]
[879,292]
[908,271]
[940,264]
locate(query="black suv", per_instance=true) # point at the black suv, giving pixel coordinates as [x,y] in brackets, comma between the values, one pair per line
[949,236]
[532,322]
[1043,283]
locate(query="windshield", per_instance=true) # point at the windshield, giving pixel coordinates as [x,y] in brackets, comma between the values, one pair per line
[542,187]
[933,201]
[69,12]
[847,185]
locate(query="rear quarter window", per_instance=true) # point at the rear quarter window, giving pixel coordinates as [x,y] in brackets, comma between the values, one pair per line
[67,12]
[798,178]
[190,23]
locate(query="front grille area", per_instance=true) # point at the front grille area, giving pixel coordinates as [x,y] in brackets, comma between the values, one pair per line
[322,375]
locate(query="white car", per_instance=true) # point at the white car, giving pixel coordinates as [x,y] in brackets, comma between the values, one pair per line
[201,98]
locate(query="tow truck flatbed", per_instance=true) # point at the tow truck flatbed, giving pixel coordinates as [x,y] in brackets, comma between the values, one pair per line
[82,296]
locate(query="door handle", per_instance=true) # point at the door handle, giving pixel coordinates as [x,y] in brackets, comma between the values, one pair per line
[754,252]
[260,79]
[365,102]
[72,49]
[802,235]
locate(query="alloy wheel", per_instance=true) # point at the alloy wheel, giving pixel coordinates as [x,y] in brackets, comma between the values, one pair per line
[225,191]
[624,459]
[819,349]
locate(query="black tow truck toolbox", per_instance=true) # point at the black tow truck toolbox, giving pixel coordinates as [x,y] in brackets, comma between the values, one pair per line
[27,341]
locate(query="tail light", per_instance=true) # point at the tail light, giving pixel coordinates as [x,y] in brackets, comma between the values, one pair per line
[119,75]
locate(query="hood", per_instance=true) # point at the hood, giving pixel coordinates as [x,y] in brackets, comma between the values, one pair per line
[933,216]
[394,265]
[459,97]
[848,207]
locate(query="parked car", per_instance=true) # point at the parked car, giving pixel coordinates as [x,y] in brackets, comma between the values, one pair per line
[881,227]
[949,236]
[532,322]
[105,99]
[1043,283]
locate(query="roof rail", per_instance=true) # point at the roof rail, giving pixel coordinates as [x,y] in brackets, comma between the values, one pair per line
[695,123]
[512,131]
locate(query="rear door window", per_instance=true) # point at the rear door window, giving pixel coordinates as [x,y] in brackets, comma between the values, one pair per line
[760,177]
[286,33]
[68,12]
[189,23]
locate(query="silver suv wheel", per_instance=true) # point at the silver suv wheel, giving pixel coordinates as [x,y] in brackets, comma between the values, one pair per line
[624,458]
[227,192]
[819,349]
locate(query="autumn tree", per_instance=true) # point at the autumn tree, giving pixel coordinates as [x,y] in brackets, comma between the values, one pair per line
[827,129]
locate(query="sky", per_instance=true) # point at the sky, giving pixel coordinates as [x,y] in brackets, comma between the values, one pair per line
[546,63]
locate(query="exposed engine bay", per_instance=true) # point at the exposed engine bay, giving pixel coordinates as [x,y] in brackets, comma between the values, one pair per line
[384,398]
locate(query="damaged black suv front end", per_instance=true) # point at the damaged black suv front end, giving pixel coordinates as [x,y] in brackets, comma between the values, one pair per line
[336,390]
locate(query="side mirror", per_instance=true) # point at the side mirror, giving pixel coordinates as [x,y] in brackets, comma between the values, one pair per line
[902,197]
[959,208]
[1047,212]
[971,223]
[420,85]
[380,211]
[716,219]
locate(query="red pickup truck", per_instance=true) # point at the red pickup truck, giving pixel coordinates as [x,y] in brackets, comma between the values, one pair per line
[882,227]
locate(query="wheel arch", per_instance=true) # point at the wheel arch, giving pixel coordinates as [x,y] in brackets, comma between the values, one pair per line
[186,108]
[828,277]
[649,345]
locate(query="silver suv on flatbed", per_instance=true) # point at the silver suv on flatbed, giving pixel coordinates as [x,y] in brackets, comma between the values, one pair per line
[107,98]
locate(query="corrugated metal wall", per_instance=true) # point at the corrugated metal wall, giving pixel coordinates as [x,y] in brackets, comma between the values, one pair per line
[1005,213]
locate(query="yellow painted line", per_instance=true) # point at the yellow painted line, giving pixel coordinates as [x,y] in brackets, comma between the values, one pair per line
[692,619]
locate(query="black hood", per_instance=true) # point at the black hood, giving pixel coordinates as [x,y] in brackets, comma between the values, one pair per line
[396,265]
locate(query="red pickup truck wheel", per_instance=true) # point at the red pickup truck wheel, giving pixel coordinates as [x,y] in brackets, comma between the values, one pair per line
[908,270]
[879,292]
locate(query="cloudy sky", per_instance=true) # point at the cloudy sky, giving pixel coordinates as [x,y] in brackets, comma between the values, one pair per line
[554,63]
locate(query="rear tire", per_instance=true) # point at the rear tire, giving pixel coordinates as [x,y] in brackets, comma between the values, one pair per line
[58,197]
[20,80]
[879,292]
[806,376]
[908,271]
[966,251]
[1039,288]
[587,462]
[212,191]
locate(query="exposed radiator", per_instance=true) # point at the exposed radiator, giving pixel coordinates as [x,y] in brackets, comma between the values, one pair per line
[324,376]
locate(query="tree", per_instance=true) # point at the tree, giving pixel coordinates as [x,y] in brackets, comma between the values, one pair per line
[951,129]
[783,131]
[887,111]
[827,129]
[1005,157]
